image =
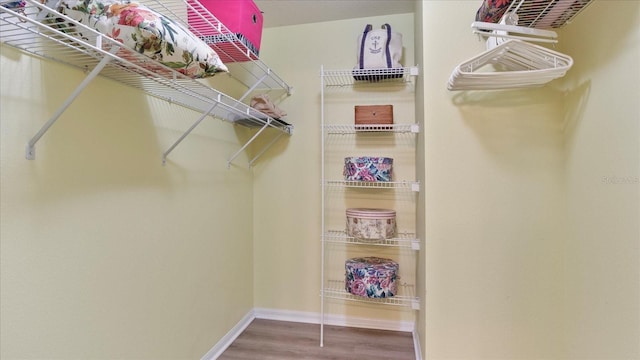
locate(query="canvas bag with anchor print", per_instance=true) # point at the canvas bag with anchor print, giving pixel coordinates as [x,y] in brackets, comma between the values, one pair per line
[379,49]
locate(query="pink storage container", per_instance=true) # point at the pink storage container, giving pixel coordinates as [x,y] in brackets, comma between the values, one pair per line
[243,18]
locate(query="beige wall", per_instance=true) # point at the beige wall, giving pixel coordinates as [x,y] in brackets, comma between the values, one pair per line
[531,206]
[104,252]
[602,151]
[287,185]
[494,206]
[529,209]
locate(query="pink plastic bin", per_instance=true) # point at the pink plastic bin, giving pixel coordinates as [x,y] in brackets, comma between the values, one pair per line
[243,18]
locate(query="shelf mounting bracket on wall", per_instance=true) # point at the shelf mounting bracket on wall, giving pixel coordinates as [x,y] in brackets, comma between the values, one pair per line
[31,145]
[288,130]
[254,86]
[273,141]
[195,124]
[24,27]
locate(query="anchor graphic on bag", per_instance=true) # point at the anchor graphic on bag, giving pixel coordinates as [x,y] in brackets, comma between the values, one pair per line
[379,50]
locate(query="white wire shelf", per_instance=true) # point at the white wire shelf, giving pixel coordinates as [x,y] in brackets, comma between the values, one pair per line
[402,240]
[81,47]
[546,13]
[405,298]
[398,185]
[360,82]
[368,76]
[378,128]
[241,58]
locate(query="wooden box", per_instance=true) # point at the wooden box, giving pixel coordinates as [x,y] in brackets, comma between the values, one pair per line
[374,114]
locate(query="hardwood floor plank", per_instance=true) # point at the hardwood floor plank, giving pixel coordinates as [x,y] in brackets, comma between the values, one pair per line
[282,340]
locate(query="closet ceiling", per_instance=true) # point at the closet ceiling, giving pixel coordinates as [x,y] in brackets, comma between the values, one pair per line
[294,12]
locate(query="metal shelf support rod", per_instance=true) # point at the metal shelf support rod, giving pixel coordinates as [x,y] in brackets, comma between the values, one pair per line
[266,125]
[265,148]
[253,87]
[204,115]
[31,150]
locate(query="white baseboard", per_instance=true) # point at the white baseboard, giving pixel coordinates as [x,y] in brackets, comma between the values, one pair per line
[338,320]
[416,344]
[229,338]
[310,318]
[287,315]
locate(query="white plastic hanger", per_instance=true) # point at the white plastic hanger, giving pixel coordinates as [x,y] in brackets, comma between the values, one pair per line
[511,64]
[510,60]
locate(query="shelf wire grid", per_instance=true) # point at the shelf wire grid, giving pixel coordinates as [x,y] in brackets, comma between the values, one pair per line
[401,240]
[367,128]
[546,13]
[233,50]
[400,185]
[357,77]
[73,43]
[335,289]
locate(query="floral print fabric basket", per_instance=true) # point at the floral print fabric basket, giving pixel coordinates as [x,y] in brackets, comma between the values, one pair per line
[491,11]
[371,277]
[368,168]
[371,225]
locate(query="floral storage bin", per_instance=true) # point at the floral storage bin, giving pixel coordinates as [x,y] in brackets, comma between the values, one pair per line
[371,225]
[368,168]
[371,277]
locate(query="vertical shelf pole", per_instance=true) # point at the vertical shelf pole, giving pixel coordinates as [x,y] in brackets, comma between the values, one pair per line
[322,238]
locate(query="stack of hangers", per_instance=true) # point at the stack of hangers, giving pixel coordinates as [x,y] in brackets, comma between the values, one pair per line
[511,64]
[511,60]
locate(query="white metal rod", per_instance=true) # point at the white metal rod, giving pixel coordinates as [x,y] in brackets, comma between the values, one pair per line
[170,149]
[31,151]
[518,6]
[540,13]
[322,236]
[479,25]
[253,87]
[266,125]
[264,149]
[506,36]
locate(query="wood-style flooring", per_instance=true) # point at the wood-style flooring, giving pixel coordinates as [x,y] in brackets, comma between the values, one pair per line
[282,340]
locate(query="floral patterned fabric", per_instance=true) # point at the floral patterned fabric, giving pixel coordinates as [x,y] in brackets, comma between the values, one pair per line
[492,10]
[147,32]
[371,225]
[368,168]
[14,4]
[371,277]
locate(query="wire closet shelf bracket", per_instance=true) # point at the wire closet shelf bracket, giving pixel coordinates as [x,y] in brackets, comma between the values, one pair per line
[511,59]
[82,47]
